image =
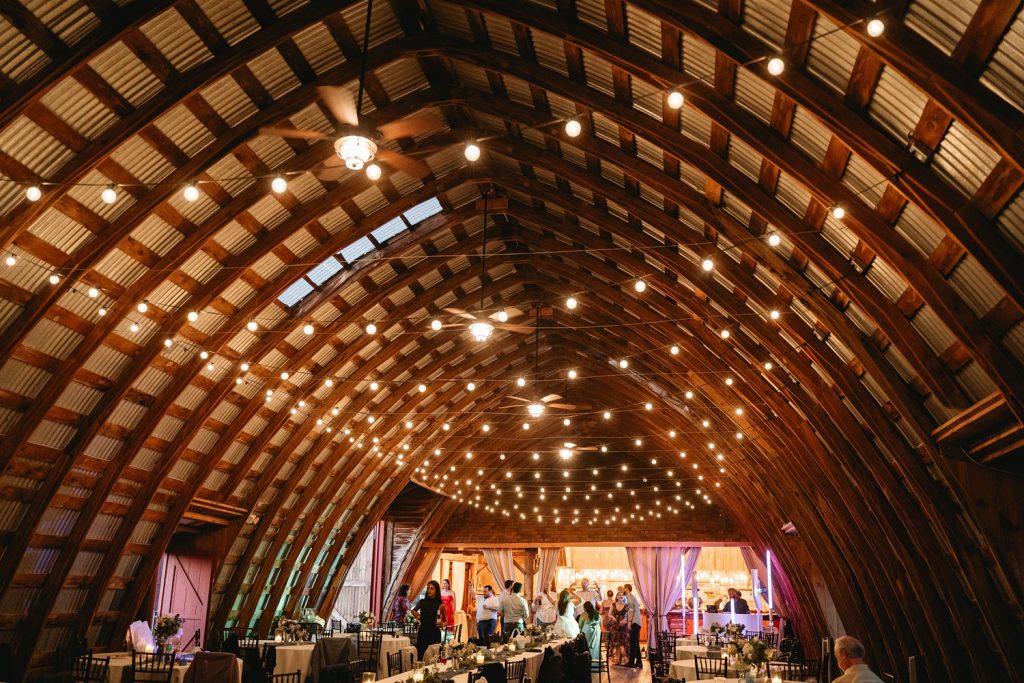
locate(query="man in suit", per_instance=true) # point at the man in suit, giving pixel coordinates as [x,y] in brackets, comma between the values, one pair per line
[736,600]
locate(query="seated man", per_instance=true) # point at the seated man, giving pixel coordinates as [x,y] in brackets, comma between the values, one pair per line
[736,602]
[850,656]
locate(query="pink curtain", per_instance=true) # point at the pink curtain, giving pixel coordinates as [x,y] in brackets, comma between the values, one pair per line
[499,561]
[657,581]
[546,572]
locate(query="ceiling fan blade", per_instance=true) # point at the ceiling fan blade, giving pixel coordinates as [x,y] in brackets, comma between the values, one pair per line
[410,126]
[562,406]
[293,133]
[550,397]
[330,173]
[340,102]
[406,164]
[524,400]
[514,312]
[461,313]
[588,448]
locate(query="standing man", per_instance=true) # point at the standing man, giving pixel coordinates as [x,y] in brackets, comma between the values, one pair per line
[635,620]
[586,594]
[850,658]
[514,611]
[487,615]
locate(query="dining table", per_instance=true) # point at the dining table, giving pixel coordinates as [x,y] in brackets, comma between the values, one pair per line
[533,657]
[120,668]
[296,656]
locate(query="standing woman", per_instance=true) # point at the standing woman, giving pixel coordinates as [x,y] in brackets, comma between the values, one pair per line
[448,599]
[428,610]
[401,606]
[606,609]
[565,624]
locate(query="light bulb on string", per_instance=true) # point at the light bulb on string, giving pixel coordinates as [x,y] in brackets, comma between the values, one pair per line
[54,278]
[191,192]
[252,326]
[774,315]
[10,260]
[101,311]
[623,363]
[675,99]
[674,350]
[707,264]
[373,171]
[640,286]
[776,66]
[93,293]
[875,27]
[133,328]
[472,151]
[435,325]
[572,374]
[33,193]
[774,239]
[278,184]
[571,303]
[307,329]
[204,354]
[521,382]
[573,128]
[142,307]
[371,328]
[838,212]
[192,316]
[109,194]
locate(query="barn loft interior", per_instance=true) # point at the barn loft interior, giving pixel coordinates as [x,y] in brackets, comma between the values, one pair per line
[546,341]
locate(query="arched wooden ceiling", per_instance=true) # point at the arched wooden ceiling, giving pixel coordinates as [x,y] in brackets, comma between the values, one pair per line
[886,426]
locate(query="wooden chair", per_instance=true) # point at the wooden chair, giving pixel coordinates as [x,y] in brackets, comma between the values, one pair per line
[293,677]
[314,629]
[150,667]
[600,666]
[795,671]
[89,669]
[712,666]
[354,627]
[369,649]
[68,654]
[411,629]
[769,639]
[709,640]
[388,627]
[395,663]
[515,670]
[268,658]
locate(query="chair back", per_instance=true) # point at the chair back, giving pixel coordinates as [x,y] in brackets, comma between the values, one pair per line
[714,666]
[795,671]
[769,639]
[268,657]
[89,669]
[313,628]
[211,667]
[353,627]
[369,648]
[411,629]
[581,668]
[152,667]
[68,654]
[709,640]
[292,677]
[515,670]
[395,663]
[388,627]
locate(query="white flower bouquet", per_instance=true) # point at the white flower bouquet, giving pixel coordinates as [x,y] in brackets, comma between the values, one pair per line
[166,627]
[366,619]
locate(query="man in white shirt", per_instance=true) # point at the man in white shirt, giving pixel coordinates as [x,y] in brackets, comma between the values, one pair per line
[635,620]
[487,615]
[850,657]
[586,594]
[514,611]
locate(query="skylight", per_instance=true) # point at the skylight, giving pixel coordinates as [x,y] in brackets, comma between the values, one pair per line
[328,268]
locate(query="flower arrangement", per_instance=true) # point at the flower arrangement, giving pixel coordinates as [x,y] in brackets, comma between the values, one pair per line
[366,619]
[734,631]
[753,653]
[426,675]
[291,629]
[166,627]
[410,619]
[464,654]
[533,631]
[715,630]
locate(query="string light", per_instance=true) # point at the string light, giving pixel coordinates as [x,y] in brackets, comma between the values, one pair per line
[776,66]
[571,303]
[109,194]
[875,27]
[190,193]
[192,316]
[93,293]
[10,260]
[623,363]
[521,382]
[373,171]
[33,193]
[472,152]
[133,328]
[707,264]
[573,128]
[640,286]
[675,99]
[278,184]
[774,315]
[142,307]
[371,328]
[435,324]
[725,334]
[774,239]
[54,278]
[307,329]
[572,374]
[838,212]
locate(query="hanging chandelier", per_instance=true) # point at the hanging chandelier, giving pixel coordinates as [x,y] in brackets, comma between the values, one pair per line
[355,150]
[481,330]
[535,409]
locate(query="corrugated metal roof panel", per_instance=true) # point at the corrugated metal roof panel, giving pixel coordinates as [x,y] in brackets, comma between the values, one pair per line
[919,229]
[754,95]
[450,19]
[887,280]
[864,181]
[77,106]
[20,59]
[598,73]
[963,159]
[34,147]
[941,23]
[140,159]
[767,19]
[500,31]
[743,157]
[126,73]
[809,135]
[831,54]
[791,193]
[976,381]
[896,105]
[1011,222]
[157,234]
[932,329]
[231,17]
[52,339]
[229,100]
[975,286]
[61,231]
[176,40]
[234,238]
[647,98]
[550,53]
[274,73]
[1004,74]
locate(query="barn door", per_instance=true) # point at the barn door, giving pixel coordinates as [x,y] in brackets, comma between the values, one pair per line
[184,588]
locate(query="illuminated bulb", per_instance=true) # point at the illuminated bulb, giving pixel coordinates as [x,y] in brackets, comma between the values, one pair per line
[374,386]
[774,315]
[648,406]
[564,453]
[101,312]
[776,66]
[707,264]
[640,285]
[54,278]
[33,193]
[10,260]
[572,374]
[307,329]
[535,409]
[838,212]
[133,328]
[675,99]
[674,350]
[768,365]
[623,363]
[774,239]
[875,28]
[435,325]
[93,292]
[571,303]
[142,307]
[481,330]
[446,426]
[566,421]
[252,326]
[168,342]
[192,316]
[373,171]
[502,316]
[486,428]
[573,128]
[472,152]
[422,388]
[725,334]
[191,192]
[371,328]
[109,194]
[210,366]
[728,381]
[526,425]
[279,184]
[284,375]
[689,394]
[607,415]
[204,354]
[470,387]
[521,382]
[238,380]
[705,424]
[244,367]
[739,436]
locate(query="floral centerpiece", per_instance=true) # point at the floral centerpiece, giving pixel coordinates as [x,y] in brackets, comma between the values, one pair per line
[366,619]
[533,631]
[753,654]
[291,629]
[426,675]
[462,654]
[715,630]
[166,627]
[734,631]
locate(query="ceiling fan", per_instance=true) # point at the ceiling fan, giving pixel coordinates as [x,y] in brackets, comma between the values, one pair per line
[535,407]
[357,144]
[569,448]
[480,327]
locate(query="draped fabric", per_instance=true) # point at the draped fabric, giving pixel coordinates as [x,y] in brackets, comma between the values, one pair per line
[431,560]
[756,562]
[546,573]
[690,565]
[656,578]
[499,562]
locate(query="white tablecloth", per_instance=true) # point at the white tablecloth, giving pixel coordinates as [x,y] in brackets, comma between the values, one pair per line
[291,658]
[121,665]
[685,668]
[532,666]
[388,645]
[752,622]
[685,651]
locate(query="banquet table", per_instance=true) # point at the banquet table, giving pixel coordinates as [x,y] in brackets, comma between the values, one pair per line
[292,657]
[388,645]
[752,622]
[120,670]
[685,669]
[532,666]
[686,650]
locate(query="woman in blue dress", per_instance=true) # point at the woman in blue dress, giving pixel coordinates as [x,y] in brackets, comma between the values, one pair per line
[590,626]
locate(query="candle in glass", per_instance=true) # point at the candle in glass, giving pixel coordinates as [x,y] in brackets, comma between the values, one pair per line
[418,675]
[511,647]
[278,638]
[369,677]
[776,679]
[480,658]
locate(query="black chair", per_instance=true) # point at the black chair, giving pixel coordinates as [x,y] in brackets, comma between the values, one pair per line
[600,665]
[268,658]
[709,640]
[795,671]
[411,629]
[314,629]
[515,670]
[388,627]
[338,625]
[89,669]
[68,654]
[494,639]
[395,663]
[369,649]
[769,639]
[659,669]
[148,667]
[353,627]
[713,666]
[581,668]
[293,677]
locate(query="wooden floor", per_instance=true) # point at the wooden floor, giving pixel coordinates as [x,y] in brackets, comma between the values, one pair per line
[625,674]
